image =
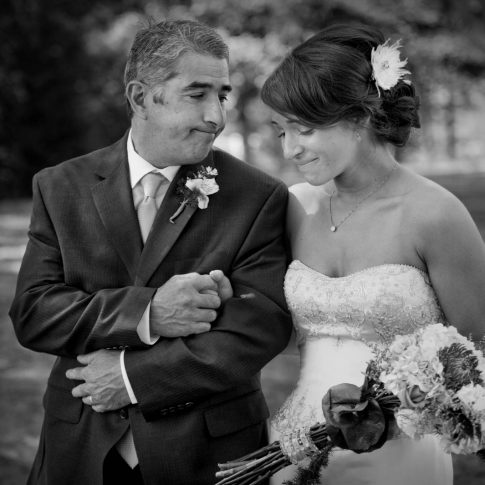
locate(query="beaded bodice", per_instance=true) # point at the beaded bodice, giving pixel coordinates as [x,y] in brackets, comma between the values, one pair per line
[372,305]
[337,318]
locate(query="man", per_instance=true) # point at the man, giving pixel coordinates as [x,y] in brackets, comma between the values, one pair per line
[120,260]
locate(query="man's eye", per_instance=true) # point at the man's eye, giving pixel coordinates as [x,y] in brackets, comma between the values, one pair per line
[197,95]
[223,98]
[280,135]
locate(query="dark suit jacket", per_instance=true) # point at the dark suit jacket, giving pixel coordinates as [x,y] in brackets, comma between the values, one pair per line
[85,282]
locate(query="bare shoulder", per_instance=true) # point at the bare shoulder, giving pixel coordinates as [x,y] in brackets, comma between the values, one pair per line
[434,210]
[299,190]
[305,196]
[304,199]
[432,200]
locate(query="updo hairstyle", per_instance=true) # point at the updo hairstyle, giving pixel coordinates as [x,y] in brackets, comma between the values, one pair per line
[328,79]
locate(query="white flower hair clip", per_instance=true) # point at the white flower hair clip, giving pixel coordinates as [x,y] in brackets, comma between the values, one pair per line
[387,68]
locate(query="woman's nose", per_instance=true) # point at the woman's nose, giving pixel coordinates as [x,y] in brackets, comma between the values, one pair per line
[291,150]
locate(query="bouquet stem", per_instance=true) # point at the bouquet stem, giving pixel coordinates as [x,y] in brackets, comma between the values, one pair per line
[261,464]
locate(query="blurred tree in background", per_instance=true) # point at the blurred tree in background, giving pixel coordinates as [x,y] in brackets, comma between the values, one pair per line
[61,69]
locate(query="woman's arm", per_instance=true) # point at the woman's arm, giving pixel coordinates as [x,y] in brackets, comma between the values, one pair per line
[454,252]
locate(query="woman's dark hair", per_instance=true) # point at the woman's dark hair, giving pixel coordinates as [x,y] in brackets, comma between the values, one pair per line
[328,79]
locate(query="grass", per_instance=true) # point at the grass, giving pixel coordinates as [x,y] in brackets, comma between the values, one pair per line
[23,374]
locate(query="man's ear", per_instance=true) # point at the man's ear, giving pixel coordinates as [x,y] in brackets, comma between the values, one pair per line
[135,93]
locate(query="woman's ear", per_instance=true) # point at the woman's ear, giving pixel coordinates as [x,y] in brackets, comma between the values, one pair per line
[359,126]
[135,93]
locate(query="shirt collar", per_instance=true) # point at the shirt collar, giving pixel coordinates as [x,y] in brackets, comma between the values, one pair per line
[139,167]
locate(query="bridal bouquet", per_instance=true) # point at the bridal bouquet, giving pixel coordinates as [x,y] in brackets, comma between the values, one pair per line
[439,376]
[429,382]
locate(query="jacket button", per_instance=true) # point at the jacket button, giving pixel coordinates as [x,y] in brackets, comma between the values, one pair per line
[123,413]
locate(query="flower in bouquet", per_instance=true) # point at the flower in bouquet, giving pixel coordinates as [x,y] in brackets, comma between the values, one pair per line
[438,375]
[472,397]
[354,420]
[459,431]
[409,423]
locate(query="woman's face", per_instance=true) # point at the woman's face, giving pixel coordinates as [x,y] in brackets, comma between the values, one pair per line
[319,154]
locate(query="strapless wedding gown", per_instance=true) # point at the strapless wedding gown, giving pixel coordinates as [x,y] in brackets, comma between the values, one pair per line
[334,318]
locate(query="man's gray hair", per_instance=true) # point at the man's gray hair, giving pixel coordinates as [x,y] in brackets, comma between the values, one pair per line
[156,49]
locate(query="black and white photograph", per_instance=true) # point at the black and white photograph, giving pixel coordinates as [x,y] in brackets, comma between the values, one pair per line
[242,242]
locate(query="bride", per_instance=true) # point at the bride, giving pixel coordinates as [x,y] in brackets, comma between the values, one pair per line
[378,250]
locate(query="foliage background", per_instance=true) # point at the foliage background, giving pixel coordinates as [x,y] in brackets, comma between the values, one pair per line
[61,68]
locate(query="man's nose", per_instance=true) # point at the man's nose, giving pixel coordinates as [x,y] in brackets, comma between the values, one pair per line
[215,113]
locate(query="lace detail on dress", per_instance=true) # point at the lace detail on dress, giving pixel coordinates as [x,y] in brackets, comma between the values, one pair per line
[373,305]
[337,318]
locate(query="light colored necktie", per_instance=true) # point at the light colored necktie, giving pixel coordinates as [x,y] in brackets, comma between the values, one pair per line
[147,210]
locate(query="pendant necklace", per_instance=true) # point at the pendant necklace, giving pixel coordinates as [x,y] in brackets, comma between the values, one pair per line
[378,186]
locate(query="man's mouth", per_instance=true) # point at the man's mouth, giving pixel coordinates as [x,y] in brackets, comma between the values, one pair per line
[302,164]
[206,131]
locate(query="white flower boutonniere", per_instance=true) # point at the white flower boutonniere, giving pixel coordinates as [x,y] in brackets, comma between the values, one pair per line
[387,68]
[194,190]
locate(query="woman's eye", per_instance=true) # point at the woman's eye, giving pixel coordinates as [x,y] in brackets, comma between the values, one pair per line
[223,98]
[306,132]
[280,135]
[197,95]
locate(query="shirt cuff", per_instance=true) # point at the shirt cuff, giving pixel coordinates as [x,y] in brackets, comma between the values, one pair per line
[143,328]
[126,380]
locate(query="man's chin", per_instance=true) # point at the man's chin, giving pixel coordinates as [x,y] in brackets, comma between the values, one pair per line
[199,155]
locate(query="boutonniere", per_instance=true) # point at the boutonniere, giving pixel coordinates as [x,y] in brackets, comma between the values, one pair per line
[194,190]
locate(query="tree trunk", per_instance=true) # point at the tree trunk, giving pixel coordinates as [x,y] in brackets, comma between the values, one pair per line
[450,122]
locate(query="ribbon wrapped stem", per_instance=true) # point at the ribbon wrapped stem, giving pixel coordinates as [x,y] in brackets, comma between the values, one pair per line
[261,464]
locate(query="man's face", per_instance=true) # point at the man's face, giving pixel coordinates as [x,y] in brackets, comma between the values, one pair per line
[182,125]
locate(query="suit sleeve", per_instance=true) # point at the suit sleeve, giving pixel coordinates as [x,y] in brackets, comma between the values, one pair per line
[248,333]
[50,316]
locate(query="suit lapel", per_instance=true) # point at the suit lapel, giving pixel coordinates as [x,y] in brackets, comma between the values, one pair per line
[114,201]
[164,234]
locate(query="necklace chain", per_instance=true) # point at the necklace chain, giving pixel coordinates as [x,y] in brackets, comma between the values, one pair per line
[378,186]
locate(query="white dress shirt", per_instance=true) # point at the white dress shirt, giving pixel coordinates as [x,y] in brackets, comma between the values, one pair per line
[139,167]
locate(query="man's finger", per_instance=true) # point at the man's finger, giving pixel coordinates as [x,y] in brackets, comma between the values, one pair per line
[217,275]
[224,284]
[87,400]
[85,358]
[193,329]
[204,282]
[81,391]
[199,327]
[207,301]
[202,315]
[76,374]
[99,408]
